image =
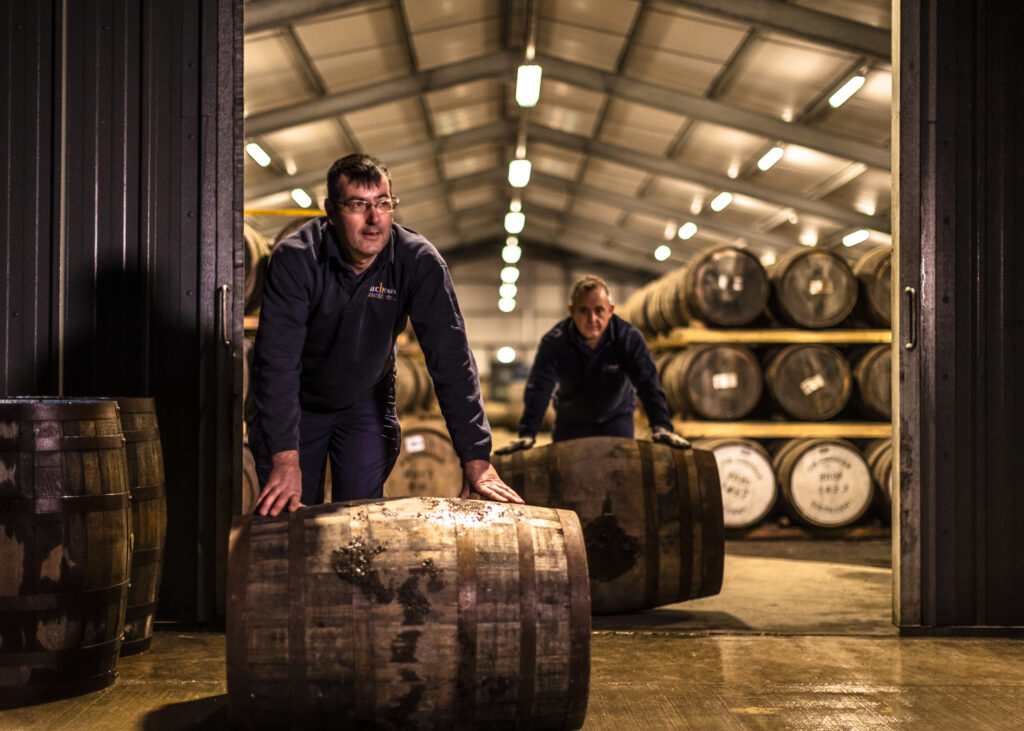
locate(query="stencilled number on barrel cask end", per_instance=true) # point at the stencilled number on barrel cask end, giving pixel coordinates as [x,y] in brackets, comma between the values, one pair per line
[831,485]
[604,537]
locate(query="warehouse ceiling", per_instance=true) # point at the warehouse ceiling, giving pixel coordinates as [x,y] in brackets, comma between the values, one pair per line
[648,111]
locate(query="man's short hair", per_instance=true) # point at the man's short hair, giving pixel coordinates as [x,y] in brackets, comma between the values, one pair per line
[586,284]
[360,169]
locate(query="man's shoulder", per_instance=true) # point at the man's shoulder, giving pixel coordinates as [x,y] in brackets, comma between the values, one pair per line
[559,331]
[303,241]
[624,330]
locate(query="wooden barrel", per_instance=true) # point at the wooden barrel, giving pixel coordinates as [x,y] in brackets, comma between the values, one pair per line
[412,613]
[149,519]
[725,286]
[873,376]
[633,309]
[664,308]
[250,481]
[65,521]
[651,515]
[813,288]
[257,254]
[414,390]
[427,465]
[809,381]
[878,454]
[749,490]
[713,381]
[825,482]
[873,270]
[248,402]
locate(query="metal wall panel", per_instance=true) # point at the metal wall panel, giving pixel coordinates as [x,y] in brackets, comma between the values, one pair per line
[123,249]
[962,401]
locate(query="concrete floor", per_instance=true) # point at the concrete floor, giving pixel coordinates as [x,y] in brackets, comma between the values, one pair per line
[800,637]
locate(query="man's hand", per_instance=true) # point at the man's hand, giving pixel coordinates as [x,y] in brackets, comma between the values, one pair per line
[661,435]
[284,486]
[516,445]
[480,476]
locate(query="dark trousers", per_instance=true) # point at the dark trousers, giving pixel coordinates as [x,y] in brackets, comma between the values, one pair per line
[617,426]
[362,442]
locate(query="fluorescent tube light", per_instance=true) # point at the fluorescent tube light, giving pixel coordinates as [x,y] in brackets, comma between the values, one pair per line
[528,85]
[847,90]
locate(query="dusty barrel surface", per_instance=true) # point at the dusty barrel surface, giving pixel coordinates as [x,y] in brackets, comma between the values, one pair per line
[713,381]
[809,381]
[148,491]
[813,288]
[749,489]
[65,521]
[651,515]
[427,465]
[825,482]
[411,613]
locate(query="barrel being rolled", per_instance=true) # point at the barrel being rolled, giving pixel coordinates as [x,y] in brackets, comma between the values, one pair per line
[651,515]
[825,482]
[149,519]
[812,288]
[65,521]
[427,465]
[809,381]
[414,613]
[713,381]
[749,490]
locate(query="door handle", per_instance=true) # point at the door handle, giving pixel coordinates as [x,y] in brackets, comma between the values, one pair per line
[223,290]
[911,294]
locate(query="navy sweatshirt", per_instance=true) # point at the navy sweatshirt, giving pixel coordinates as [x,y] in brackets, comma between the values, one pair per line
[594,384]
[327,336]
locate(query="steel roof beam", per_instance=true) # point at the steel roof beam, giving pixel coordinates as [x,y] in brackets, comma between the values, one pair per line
[263,15]
[794,20]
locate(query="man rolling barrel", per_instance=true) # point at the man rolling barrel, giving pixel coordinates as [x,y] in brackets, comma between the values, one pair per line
[599,363]
[339,291]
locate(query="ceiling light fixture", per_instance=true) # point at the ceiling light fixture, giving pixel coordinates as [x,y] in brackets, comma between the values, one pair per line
[687,230]
[528,85]
[721,201]
[505,354]
[511,254]
[662,253]
[509,275]
[508,291]
[302,198]
[519,173]
[769,158]
[515,221]
[857,237]
[258,154]
[845,91]
[506,304]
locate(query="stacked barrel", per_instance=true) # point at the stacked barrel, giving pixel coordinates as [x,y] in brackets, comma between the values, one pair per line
[789,366]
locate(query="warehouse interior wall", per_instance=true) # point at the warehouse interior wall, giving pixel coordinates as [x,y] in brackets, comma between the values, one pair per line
[119,234]
[959,338]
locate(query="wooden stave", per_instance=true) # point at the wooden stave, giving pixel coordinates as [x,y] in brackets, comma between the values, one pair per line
[546,617]
[553,475]
[873,270]
[81,611]
[873,375]
[432,469]
[148,488]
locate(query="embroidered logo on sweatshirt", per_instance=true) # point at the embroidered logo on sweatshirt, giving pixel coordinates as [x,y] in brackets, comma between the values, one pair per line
[380,292]
[611,368]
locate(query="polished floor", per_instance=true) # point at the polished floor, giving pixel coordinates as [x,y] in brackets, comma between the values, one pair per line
[799,638]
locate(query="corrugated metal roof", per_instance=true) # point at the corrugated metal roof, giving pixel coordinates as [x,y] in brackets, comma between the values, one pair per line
[648,110]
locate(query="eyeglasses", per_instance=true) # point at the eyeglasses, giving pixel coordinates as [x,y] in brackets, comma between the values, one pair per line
[361,205]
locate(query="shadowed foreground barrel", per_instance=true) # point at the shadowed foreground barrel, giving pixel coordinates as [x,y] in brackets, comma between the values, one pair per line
[65,520]
[412,613]
[427,465]
[825,482]
[651,515]
[149,519]
[748,482]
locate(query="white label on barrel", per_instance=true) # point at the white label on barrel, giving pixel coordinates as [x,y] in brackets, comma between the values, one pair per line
[812,384]
[415,443]
[721,381]
[737,283]
[830,485]
[748,485]
[815,286]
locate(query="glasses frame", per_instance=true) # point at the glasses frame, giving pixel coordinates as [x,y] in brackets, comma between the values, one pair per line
[391,201]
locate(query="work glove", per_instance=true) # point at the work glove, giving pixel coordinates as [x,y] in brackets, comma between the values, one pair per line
[661,435]
[516,445]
